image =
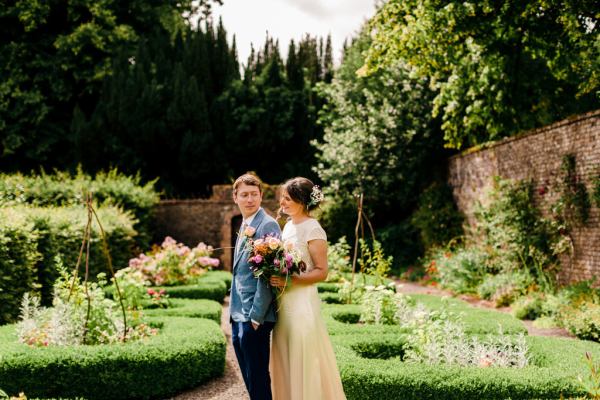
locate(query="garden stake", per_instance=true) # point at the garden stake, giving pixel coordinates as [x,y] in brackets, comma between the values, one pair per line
[111,269]
[86,244]
[358,221]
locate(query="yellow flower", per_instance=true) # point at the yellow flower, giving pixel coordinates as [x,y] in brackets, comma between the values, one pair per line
[273,242]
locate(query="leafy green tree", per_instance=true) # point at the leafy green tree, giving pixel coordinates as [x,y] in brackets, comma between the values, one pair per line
[54,56]
[380,140]
[379,134]
[497,67]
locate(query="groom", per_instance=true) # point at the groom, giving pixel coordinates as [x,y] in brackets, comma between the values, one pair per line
[251,310]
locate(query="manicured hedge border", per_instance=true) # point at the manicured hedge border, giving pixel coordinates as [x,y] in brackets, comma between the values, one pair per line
[212,276]
[476,321]
[556,361]
[369,358]
[187,352]
[216,291]
[213,285]
[189,308]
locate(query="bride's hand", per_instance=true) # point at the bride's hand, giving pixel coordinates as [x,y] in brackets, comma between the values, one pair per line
[277,281]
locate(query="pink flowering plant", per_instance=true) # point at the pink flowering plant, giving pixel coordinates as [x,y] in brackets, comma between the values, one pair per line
[158,298]
[171,263]
[270,256]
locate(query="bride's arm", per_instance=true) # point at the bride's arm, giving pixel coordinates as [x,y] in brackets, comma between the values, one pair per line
[318,253]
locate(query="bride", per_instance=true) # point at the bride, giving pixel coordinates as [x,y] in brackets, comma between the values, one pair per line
[303,365]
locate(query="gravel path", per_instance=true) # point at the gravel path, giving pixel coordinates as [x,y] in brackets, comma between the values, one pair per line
[231,385]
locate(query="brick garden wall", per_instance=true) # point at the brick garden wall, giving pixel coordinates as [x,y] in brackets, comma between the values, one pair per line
[214,221]
[538,155]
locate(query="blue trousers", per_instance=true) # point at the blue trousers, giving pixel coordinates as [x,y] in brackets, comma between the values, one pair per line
[252,349]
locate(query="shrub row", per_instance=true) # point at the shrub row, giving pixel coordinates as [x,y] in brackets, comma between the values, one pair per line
[212,285]
[64,189]
[202,308]
[31,238]
[371,366]
[186,353]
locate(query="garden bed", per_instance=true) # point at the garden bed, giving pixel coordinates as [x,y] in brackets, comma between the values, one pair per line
[186,353]
[371,359]
[212,285]
[190,308]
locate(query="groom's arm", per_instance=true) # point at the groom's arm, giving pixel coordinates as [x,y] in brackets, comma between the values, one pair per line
[263,296]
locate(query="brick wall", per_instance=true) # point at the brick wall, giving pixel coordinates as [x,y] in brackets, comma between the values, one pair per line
[214,221]
[538,155]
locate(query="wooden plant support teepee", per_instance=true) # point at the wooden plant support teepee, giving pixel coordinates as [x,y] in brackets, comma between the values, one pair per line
[360,226]
[85,244]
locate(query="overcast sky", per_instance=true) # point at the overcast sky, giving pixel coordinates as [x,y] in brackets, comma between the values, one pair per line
[249,20]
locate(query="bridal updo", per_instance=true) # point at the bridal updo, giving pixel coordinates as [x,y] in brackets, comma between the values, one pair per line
[304,192]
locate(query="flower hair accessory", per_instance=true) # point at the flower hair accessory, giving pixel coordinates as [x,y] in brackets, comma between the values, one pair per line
[316,196]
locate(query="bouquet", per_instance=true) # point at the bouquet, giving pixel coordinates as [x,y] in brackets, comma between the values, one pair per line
[270,256]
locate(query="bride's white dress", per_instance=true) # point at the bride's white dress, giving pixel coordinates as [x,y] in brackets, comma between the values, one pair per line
[303,365]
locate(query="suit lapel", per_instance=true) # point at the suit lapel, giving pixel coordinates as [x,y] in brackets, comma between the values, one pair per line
[240,246]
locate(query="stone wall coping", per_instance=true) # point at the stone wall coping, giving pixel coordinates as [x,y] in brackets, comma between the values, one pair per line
[489,145]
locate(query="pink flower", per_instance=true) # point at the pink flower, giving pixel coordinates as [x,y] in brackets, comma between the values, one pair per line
[168,241]
[276,262]
[288,259]
[249,231]
[257,259]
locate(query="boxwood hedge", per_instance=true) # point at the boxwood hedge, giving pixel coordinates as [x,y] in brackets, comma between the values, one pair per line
[34,236]
[371,365]
[186,353]
[65,189]
[372,368]
[201,308]
[213,285]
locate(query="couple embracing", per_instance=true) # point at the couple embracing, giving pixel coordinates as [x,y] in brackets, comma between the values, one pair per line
[298,363]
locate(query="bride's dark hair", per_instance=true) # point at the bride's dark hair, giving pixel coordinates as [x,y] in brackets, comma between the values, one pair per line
[300,190]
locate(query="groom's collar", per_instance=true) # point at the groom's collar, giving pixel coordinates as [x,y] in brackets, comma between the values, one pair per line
[249,220]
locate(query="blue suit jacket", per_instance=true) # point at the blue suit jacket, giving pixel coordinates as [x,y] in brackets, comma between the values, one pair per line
[252,298]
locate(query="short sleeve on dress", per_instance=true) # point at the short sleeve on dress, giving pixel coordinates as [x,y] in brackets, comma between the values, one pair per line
[316,232]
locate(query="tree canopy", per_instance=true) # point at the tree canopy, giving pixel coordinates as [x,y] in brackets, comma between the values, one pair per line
[497,67]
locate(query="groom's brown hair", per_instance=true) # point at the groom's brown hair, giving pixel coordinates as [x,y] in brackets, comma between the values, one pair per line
[247,179]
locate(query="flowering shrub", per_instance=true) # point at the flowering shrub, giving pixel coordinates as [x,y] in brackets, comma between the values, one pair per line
[158,298]
[171,263]
[505,287]
[582,321]
[379,304]
[460,271]
[65,323]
